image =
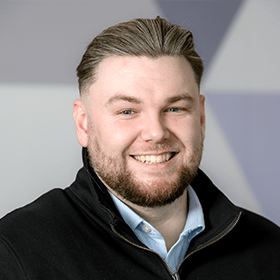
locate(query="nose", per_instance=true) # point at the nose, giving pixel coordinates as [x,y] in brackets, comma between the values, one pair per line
[154,129]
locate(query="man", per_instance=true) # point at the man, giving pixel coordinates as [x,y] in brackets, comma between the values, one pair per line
[140,208]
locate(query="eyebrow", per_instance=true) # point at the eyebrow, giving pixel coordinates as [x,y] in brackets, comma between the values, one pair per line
[173,99]
[122,97]
[183,96]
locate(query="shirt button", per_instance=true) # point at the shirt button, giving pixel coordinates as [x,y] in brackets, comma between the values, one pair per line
[146,228]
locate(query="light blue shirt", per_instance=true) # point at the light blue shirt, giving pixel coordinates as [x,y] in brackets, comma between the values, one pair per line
[149,236]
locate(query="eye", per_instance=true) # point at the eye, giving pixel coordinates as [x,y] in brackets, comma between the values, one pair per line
[126,112]
[174,109]
[177,111]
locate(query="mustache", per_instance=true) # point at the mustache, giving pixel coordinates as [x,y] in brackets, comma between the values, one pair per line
[155,147]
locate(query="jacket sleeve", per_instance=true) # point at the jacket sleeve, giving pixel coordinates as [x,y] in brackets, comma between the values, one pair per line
[10,266]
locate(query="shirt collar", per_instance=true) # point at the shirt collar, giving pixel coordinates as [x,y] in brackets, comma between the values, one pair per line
[195,217]
[129,216]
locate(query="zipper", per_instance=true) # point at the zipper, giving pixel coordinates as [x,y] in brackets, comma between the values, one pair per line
[229,229]
[174,276]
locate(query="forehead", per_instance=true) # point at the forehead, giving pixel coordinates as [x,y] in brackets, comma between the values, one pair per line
[143,77]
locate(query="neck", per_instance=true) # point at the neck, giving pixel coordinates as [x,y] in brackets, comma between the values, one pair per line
[169,220]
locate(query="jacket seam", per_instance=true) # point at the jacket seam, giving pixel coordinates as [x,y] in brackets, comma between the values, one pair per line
[88,208]
[218,237]
[14,255]
[105,209]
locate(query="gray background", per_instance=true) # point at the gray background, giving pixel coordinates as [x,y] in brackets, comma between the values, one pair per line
[41,44]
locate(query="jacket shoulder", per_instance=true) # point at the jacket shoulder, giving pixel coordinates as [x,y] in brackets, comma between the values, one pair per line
[259,225]
[24,229]
[45,209]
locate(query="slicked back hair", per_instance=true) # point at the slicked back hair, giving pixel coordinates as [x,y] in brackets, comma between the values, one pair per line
[138,37]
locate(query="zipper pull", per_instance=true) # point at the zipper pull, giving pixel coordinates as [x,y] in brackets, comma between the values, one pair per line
[176,276]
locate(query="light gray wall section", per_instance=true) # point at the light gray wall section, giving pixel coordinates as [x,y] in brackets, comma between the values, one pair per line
[39,150]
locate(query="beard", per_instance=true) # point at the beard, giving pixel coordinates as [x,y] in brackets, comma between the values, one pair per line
[150,193]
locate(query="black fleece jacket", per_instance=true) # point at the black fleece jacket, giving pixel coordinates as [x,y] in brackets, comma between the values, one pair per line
[77,233]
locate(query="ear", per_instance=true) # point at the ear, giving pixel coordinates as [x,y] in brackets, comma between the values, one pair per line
[202,114]
[81,121]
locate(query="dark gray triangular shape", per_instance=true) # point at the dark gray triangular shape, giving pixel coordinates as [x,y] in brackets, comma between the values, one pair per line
[208,20]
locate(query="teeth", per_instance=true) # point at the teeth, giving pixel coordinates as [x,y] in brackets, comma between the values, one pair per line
[154,159]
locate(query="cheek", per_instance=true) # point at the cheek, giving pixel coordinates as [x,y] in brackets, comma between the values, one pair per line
[114,137]
[197,134]
[189,132]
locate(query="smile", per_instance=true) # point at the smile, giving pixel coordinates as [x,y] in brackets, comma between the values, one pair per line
[155,159]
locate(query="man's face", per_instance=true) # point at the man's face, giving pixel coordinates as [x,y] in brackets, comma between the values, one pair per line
[144,127]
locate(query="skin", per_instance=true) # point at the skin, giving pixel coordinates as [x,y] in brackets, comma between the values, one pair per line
[141,106]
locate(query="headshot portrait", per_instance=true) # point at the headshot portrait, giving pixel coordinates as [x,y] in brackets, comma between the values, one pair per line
[139,139]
